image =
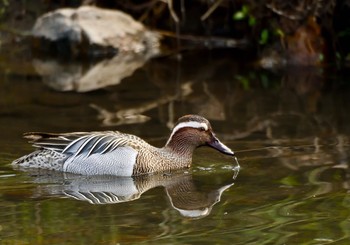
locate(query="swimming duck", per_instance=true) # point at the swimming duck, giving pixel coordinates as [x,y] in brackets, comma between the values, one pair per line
[116,153]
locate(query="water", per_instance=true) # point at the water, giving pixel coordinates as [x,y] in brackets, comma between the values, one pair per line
[290,131]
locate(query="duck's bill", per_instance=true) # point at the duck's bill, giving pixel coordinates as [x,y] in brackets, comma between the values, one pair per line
[216,144]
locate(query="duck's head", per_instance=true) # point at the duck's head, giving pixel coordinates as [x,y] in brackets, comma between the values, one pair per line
[192,131]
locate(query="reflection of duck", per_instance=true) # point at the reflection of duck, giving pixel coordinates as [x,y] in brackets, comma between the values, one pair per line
[189,201]
[115,153]
[184,194]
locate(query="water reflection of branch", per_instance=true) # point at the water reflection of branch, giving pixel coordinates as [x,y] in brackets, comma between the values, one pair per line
[127,116]
[259,126]
[134,115]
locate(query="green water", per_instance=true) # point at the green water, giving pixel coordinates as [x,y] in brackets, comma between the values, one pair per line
[290,131]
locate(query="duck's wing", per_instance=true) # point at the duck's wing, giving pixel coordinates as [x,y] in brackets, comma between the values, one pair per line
[52,141]
[79,143]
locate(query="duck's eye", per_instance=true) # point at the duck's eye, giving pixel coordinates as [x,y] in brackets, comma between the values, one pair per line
[202,129]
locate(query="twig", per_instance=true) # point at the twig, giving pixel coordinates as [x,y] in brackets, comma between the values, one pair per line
[208,41]
[211,10]
[171,10]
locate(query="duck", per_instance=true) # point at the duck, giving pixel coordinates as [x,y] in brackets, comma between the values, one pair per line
[120,154]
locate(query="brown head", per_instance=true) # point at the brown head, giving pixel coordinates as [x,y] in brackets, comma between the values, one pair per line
[192,131]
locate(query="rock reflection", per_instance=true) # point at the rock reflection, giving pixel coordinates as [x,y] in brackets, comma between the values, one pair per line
[184,193]
[74,76]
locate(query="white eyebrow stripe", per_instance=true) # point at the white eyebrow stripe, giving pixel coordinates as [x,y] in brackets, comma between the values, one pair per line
[192,124]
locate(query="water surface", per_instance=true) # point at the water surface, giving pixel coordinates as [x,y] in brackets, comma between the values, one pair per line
[290,130]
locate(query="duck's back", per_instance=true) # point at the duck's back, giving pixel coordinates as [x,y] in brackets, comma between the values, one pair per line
[93,153]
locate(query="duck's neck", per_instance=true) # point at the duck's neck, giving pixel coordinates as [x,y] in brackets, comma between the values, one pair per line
[180,146]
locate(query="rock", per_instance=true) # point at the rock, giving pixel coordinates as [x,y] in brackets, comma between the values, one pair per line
[93,31]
